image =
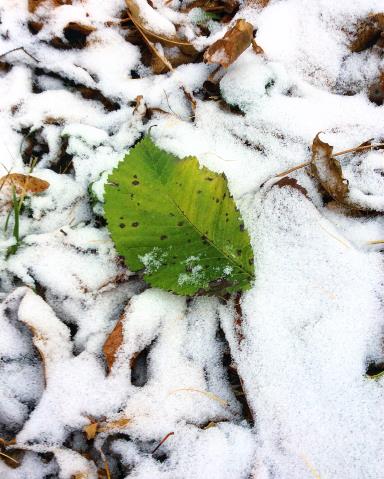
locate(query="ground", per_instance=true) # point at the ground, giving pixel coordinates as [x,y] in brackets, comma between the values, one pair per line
[96,369]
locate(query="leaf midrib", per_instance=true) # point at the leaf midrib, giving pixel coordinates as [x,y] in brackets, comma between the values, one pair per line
[209,241]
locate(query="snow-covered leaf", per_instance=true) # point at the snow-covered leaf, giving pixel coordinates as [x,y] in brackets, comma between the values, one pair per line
[328,170]
[227,49]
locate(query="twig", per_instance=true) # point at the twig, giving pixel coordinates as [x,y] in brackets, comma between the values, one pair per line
[359,148]
[172,111]
[22,49]
[298,167]
[162,441]
[339,153]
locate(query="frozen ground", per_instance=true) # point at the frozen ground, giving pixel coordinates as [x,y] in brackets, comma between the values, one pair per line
[312,324]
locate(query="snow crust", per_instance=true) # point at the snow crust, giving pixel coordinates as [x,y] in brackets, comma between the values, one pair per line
[313,320]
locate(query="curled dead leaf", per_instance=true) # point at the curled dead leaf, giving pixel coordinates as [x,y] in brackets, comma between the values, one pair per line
[328,170]
[50,336]
[23,184]
[113,343]
[370,31]
[292,183]
[227,49]
[140,22]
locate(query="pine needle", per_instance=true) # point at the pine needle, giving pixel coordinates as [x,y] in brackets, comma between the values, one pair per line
[208,394]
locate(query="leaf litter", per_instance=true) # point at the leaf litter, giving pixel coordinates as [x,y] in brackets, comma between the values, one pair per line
[296,346]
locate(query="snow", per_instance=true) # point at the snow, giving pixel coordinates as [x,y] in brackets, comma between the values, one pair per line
[312,321]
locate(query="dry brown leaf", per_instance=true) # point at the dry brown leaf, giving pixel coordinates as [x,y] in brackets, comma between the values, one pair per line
[113,343]
[328,170]
[376,91]
[292,183]
[24,184]
[370,31]
[90,430]
[94,428]
[12,459]
[50,336]
[33,5]
[226,50]
[117,424]
[167,41]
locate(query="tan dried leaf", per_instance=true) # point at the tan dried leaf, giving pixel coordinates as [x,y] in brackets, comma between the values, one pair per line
[113,343]
[117,424]
[328,170]
[24,184]
[90,430]
[370,31]
[33,5]
[226,50]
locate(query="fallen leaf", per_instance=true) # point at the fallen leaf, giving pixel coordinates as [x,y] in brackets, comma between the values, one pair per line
[376,91]
[328,170]
[291,182]
[50,336]
[24,184]
[191,240]
[33,5]
[111,425]
[94,428]
[113,343]
[145,28]
[369,32]
[90,430]
[227,49]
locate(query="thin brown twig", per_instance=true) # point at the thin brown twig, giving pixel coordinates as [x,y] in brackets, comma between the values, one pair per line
[22,49]
[162,441]
[298,167]
[339,153]
[359,148]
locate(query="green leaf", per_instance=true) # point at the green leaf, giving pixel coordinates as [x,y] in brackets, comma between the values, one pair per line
[178,223]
